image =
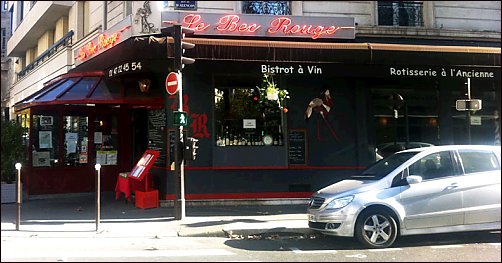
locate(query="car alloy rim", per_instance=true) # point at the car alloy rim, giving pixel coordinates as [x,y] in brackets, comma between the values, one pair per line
[377,229]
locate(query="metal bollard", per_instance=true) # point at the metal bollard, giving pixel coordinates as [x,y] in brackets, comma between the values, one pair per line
[98,195]
[18,219]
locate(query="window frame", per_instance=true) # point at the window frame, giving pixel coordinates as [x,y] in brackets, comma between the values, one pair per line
[419,14]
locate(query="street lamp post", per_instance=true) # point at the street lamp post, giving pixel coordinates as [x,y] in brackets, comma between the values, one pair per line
[18,218]
[98,197]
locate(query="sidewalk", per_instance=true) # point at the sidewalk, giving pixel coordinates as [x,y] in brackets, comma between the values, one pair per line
[75,216]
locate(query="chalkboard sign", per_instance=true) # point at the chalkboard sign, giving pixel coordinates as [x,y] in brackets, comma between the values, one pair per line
[157,134]
[297,147]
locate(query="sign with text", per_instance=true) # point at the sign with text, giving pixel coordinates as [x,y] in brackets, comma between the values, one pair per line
[371,71]
[144,164]
[185,5]
[104,41]
[297,147]
[263,25]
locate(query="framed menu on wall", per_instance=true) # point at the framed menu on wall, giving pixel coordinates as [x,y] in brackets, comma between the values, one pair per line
[144,164]
[297,149]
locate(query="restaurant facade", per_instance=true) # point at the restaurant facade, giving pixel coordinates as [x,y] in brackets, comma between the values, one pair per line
[338,98]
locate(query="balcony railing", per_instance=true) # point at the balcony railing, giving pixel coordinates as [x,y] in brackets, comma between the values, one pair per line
[400,13]
[266,7]
[64,42]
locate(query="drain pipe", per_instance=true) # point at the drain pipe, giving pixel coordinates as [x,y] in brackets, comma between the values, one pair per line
[105,15]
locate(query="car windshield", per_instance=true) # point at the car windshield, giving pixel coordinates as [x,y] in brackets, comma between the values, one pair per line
[383,167]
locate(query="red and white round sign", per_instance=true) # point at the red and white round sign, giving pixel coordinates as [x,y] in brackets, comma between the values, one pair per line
[172,83]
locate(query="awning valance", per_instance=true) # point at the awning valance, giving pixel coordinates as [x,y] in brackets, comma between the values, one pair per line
[87,88]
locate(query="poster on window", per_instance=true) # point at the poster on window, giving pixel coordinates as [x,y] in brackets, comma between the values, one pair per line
[45,139]
[82,158]
[98,137]
[101,157]
[46,120]
[111,157]
[41,159]
[71,139]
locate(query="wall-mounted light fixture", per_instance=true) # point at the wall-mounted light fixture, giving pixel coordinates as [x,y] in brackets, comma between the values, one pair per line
[144,85]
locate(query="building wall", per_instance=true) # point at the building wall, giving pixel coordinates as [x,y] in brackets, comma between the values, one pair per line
[6,66]
[477,20]
[362,11]
[467,15]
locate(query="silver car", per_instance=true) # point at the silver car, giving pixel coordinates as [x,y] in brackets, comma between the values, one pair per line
[436,189]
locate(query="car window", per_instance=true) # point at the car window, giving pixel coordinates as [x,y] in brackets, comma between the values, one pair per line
[433,166]
[383,167]
[475,161]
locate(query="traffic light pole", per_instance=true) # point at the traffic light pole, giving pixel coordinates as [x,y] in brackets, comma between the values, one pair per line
[179,171]
[178,33]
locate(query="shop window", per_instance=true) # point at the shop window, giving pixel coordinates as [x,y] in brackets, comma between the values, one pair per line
[23,118]
[75,140]
[45,140]
[400,13]
[266,7]
[242,121]
[106,139]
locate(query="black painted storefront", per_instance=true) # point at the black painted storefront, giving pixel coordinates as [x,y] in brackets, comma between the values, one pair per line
[316,151]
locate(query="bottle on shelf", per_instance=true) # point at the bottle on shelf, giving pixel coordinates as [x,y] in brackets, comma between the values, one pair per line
[227,136]
[280,138]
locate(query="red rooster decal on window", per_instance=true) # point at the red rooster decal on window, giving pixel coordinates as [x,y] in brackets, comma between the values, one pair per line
[323,106]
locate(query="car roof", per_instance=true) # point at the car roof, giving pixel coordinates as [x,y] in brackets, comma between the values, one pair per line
[454,147]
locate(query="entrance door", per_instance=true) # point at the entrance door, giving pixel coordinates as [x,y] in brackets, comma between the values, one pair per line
[405,115]
[140,133]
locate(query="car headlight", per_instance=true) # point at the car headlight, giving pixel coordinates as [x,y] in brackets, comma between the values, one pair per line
[340,202]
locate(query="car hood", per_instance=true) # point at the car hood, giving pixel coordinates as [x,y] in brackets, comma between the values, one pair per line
[350,186]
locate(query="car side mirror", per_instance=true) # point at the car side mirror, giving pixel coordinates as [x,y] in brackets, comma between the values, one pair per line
[414,179]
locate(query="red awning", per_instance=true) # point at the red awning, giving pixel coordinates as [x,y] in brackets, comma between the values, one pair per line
[84,89]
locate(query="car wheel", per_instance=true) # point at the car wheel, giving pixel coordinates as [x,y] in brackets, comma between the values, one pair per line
[376,229]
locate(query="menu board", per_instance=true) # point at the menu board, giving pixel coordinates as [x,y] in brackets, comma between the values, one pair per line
[297,147]
[144,164]
[157,134]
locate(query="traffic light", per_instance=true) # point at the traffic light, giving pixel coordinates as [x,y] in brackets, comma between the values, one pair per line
[180,46]
[178,33]
[191,148]
[180,118]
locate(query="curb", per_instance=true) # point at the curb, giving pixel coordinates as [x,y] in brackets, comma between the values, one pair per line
[283,231]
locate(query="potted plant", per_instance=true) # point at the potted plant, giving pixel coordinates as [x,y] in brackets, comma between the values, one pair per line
[13,151]
[272,92]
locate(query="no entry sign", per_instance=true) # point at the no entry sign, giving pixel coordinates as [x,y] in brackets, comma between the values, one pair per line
[172,81]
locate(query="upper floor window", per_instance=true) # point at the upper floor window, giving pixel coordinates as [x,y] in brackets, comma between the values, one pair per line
[4,5]
[20,11]
[400,13]
[266,7]
[4,39]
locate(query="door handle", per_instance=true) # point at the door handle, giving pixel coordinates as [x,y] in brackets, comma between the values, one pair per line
[451,186]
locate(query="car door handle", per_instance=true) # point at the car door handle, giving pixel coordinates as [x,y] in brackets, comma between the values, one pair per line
[451,186]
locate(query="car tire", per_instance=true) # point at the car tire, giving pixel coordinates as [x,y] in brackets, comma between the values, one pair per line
[376,229]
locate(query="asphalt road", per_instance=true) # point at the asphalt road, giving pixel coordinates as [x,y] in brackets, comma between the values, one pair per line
[461,247]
